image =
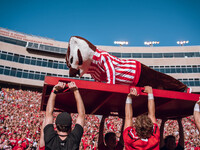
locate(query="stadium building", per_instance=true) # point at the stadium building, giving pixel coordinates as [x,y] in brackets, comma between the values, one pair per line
[25,60]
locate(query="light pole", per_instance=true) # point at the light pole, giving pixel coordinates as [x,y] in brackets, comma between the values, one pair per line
[121,43]
[182,42]
[151,43]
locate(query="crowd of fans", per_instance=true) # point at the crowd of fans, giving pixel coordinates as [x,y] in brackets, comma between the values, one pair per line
[21,120]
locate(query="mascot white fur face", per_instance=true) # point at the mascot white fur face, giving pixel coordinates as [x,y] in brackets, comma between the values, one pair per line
[79,55]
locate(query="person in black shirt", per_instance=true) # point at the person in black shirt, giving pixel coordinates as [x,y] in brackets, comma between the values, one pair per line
[169,143]
[64,138]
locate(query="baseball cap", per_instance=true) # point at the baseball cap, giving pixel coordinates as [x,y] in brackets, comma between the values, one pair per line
[64,118]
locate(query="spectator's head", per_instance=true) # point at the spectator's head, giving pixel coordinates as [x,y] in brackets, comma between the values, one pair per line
[19,143]
[144,126]
[3,136]
[110,139]
[170,142]
[18,136]
[63,122]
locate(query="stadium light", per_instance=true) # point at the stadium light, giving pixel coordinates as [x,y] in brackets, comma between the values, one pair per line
[151,43]
[182,42]
[121,43]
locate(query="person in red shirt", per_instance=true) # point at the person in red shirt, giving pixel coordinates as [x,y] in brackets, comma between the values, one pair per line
[24,140]
[19,146]
[196,114]
[13,140]
[145,134]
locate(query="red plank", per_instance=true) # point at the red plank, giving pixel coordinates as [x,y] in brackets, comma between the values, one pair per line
[101,98]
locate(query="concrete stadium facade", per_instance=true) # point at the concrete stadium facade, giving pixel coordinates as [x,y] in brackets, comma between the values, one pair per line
[27,59]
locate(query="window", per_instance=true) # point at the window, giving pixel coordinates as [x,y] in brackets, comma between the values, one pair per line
[19,73]
[13,72]
[162,70]
[157,55]
[126,55]
[189,69]
[44,63]
[194,69]
[65,66]
[16,58]
[197,54]
[33,61]
[183,70]
[39,62]
[25,74]
[136,55]
[21,59]
[168,55]
[48,74]
[117,55]
[30,44]
[60,66]
[178,54]
[147,55]
[173,70]
[3,55]
[31,75]
[10,56]
[191,54]
[42,75]
[42,47]
[7,71]
[50,63]
[1,69]
[35,45]
[37,75]
[27,60]
[55,64]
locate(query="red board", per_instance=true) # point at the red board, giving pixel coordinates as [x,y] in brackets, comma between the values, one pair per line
[105,99]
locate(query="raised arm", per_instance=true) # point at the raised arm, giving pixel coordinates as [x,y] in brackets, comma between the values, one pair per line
[197,114]
[151,103]
[51,102]
[79,103]
[181,134]
[101,128]
[121,136]
[41,142]
[161,132]
[128,108]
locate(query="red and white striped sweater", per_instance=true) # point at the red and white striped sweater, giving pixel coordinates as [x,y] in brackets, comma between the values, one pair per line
[112,70]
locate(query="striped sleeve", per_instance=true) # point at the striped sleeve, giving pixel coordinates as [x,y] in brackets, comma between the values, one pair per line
[109,68]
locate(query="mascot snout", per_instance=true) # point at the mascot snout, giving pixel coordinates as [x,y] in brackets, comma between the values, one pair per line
[73,72]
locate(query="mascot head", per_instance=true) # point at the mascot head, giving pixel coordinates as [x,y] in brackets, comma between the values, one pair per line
[79,55]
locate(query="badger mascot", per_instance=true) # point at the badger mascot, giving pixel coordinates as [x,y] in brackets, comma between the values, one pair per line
[85,58]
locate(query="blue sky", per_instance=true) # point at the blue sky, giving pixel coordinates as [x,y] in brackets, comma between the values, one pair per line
[104,21]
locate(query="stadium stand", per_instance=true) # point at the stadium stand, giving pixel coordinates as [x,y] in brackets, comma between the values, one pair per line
[26,59]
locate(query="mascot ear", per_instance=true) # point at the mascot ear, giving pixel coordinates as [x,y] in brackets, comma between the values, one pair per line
[80,59]
[67,56]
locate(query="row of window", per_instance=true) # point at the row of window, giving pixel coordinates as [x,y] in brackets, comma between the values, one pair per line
[29,74]
[58,50]
[36,75]
[156,55]
[62,65]
[47,48]
[13,41]
[177,69]
[33,60]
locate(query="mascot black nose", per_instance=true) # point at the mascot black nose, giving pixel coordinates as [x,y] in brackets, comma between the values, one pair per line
[73,72]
